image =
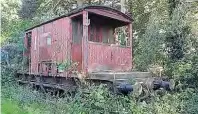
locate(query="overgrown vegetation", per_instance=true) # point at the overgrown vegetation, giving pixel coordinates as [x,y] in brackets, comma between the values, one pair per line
[165,34]
[97,100]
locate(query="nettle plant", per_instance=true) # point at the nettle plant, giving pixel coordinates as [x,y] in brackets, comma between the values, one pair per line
[66,65]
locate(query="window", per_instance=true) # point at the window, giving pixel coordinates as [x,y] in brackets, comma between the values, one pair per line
[49,40]
[102,34]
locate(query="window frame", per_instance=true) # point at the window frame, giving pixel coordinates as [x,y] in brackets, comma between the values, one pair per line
[49,40]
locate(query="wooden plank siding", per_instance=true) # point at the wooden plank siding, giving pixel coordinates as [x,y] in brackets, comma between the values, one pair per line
[77,35]
[54,41]
[58,50]
[116,58]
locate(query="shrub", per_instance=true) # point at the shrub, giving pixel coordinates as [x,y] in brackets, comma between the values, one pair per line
[97,100]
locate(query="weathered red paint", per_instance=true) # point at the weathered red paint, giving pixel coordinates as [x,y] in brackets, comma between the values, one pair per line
[107,13]
[77,54]
[112,56]
[85,41]
[58,51]
[52,42]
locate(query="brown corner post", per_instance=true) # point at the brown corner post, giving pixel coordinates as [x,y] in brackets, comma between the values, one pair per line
[85,42]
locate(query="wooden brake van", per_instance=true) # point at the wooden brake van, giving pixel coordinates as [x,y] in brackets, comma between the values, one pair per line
[86,36]
[86,41]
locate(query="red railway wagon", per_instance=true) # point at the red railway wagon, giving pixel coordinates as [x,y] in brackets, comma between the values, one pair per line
[86,36]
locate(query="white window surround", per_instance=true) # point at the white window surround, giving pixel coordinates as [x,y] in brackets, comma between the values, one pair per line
[49,40]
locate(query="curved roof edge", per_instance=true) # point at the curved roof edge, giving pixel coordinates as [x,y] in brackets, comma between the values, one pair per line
[81,9]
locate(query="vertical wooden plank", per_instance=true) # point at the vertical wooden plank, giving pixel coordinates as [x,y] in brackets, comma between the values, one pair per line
[36,50]
[70,38]
[33,54]
[85,42]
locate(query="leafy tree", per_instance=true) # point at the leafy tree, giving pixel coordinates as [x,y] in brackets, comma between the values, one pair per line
[150,18]
[150,49]
[9,10]
[177,30]
[28,8]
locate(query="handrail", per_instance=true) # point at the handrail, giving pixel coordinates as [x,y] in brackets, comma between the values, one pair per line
[106,44]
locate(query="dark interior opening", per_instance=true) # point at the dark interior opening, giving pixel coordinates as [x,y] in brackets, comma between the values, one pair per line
[103,20]
[29,39]
[77,29]
[102,28]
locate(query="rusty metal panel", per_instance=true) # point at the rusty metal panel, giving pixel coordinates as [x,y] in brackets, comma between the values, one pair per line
[115,57]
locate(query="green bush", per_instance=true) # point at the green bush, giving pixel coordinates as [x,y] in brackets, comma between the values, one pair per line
[97,100]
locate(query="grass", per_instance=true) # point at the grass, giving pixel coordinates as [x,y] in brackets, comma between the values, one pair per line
[23,100]
[11,107]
